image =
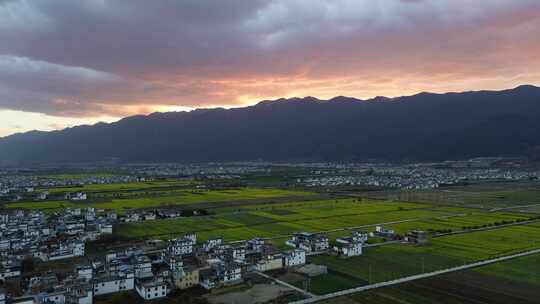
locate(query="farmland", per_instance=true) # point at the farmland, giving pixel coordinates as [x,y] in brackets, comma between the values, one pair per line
[481,195]
[467,223]
[122,187]
[514,281]
[389,262]
[279,220]
[157,198]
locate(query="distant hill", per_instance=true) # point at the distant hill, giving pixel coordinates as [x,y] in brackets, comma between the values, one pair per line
[425,126]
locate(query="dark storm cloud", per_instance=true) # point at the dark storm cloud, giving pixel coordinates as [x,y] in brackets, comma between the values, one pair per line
[85,58]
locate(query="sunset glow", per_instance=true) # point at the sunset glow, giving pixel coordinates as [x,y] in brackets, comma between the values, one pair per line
[65,63]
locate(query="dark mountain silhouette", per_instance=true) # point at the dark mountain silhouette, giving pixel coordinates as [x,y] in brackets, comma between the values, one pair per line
[425,126]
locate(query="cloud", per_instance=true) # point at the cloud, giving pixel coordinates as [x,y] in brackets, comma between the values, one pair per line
[119,57]
[39,86]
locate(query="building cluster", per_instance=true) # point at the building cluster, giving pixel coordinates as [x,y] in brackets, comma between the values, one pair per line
[162,213]
[35,235]
[180,265]
[416,176]
[225,171]
[12,184]
[176,264]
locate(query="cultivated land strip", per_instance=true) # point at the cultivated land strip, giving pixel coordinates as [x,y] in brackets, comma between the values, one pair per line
[310,218]
[486,228]
[514,207]
[314,299]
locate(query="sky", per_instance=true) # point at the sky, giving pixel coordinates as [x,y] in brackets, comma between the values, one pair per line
[66,62]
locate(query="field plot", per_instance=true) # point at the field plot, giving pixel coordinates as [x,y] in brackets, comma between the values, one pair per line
[485,195]
[119,187]
[280,220]
[485,285]
[162,198]
[47,207]
[389,262]
[457,223]
[308,216]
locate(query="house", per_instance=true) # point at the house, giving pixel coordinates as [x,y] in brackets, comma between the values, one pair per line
[255,245]
[220,273]
[228,272]
[174,262]
[238,253]
[149,216]
[294,258]
[113,282]
[269,262]
[106,228]
[142,266]
[10,269]
[211,244]
[5,244]
[74,227]
[79,196]
[351,246]
[181,246]
[43,282]
[383,232]
[186,277]
[132,217]
[56,297]
[79,294]
[42,196]
[64,251]
[152,289]
[310,242]
[85,273]
[418,237]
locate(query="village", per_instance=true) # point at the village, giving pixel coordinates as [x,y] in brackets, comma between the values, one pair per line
[410,177]
[152,271]
[100,238]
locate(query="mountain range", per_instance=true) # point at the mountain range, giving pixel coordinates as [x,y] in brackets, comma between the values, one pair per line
[421,127]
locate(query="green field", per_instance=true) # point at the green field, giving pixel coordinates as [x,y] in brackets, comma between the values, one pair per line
[280,220]
[525,270]
[183,197]
[119,187]
[514,281]
[306,216]
[384,263]
[71,176]
[485,195]
[457,223]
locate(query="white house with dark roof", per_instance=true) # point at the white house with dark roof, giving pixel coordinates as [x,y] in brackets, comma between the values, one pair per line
[351,246]
[152,289]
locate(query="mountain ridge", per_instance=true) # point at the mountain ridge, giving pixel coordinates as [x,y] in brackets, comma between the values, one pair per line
[424,126]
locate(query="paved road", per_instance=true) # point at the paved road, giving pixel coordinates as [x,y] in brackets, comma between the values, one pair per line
[414,277]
